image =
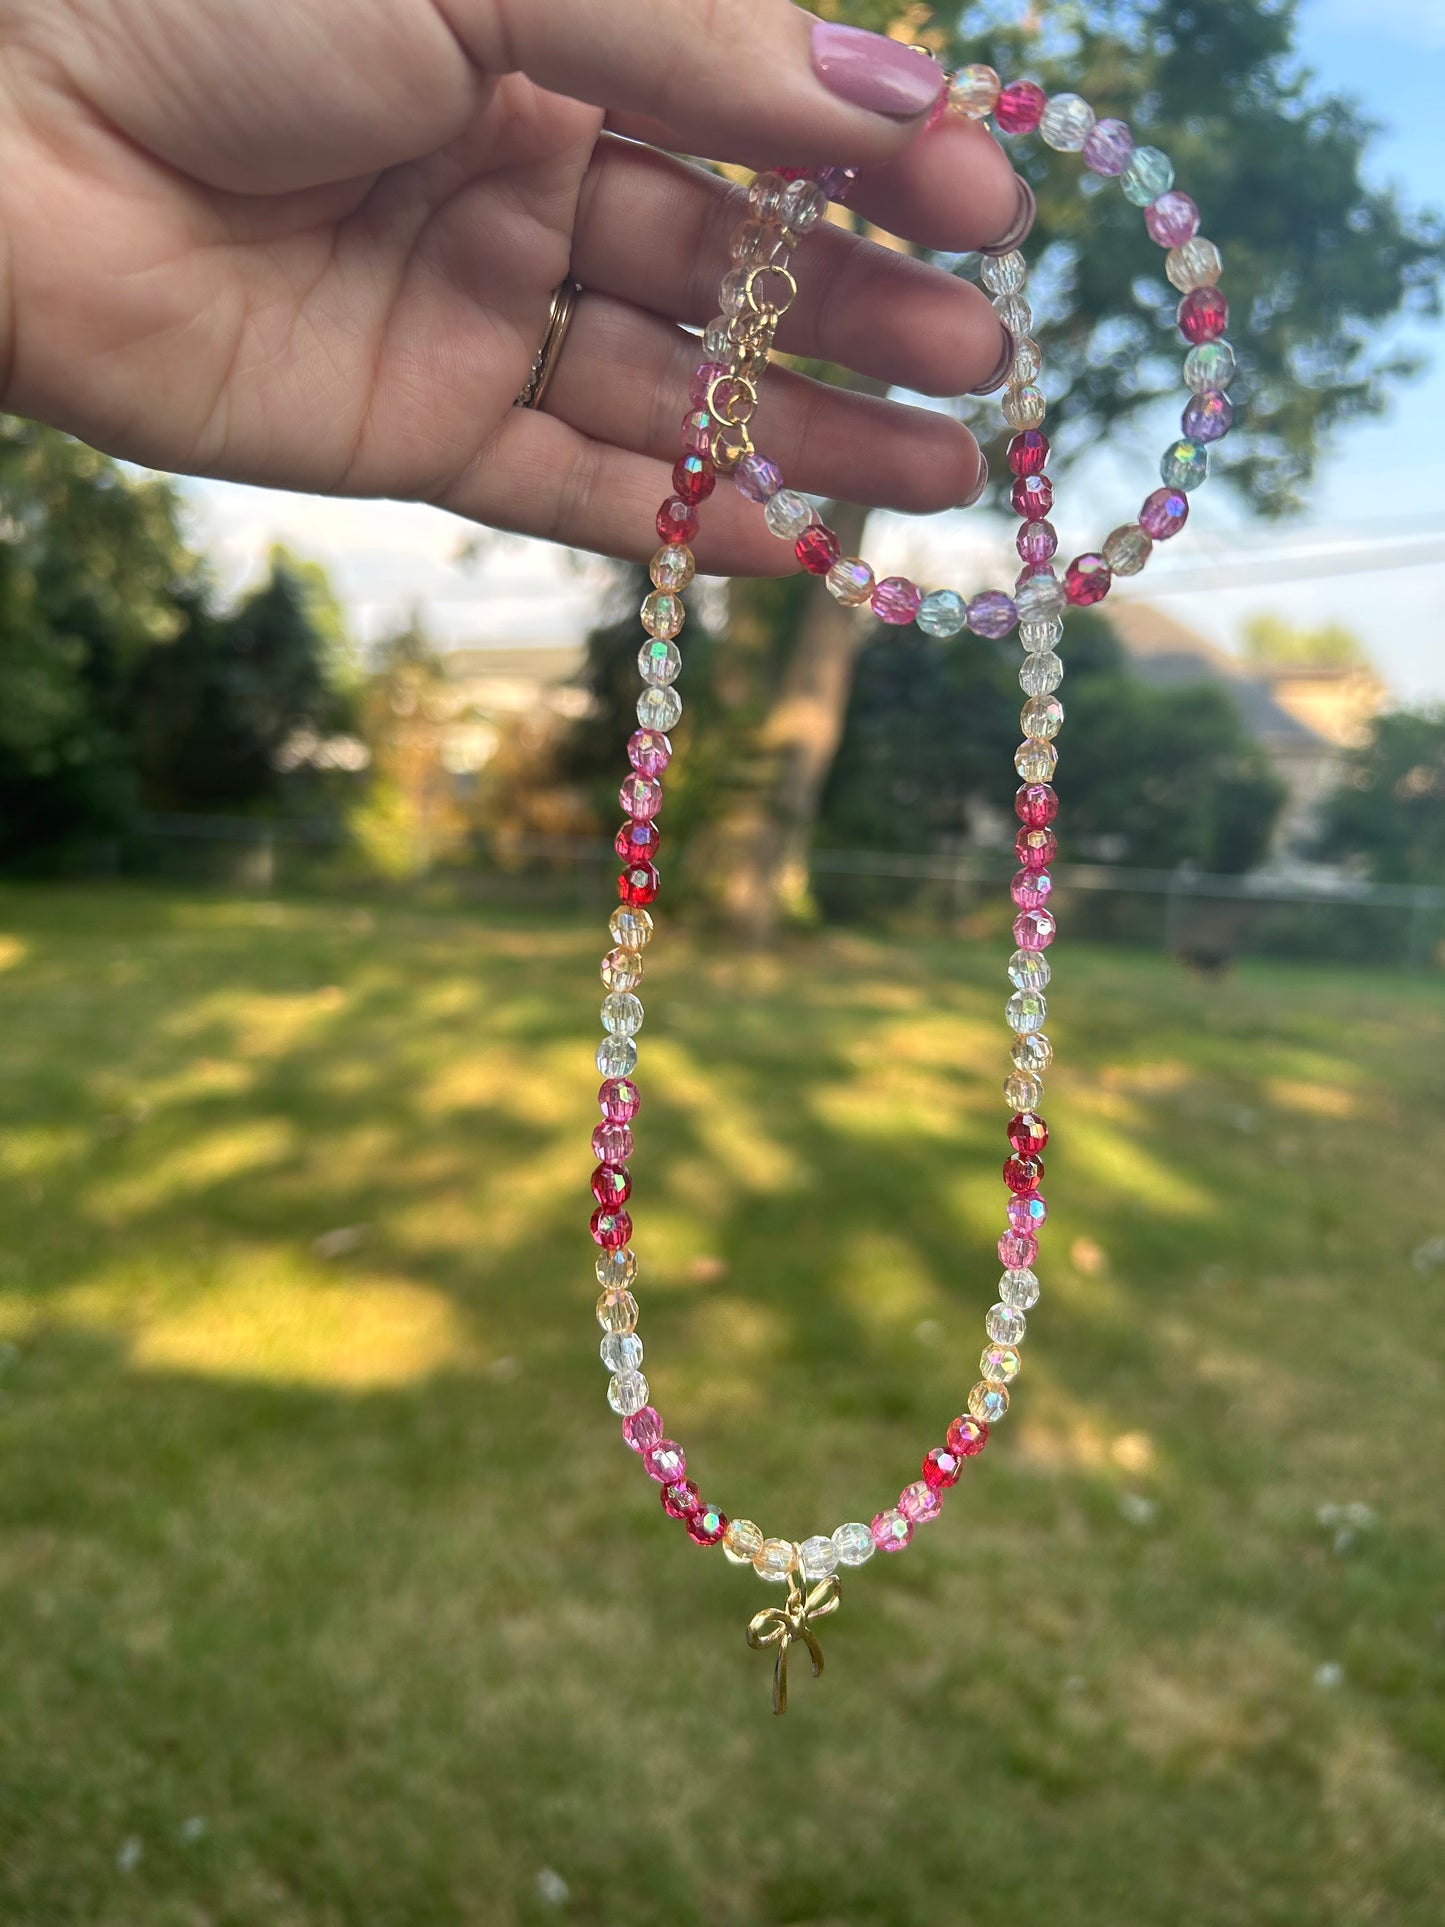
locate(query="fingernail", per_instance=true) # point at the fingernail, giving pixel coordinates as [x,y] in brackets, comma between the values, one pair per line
[1022,222]
[1000,374]
[871,71]
[975,494]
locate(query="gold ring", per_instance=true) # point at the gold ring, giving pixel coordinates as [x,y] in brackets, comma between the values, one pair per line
[559,320]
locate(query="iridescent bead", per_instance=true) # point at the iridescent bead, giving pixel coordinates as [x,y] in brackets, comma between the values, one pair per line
[640,796]
[1210,365]
[1031,1051]
[1066,123]
[1020,1090]
[988,1401]
[1127,549]
[891,1531]
[621,1351]
[708,372]
[1147,174]
[665,1461]
[1029,969]
[1037,542]
[619,1098]
[775,1559]
[788,514]
[627,1393]
[1028,452]
[999,1362]
[1040,674]
[1028,361]
[612,1143]
[920,1503]
[1027,1212]
[992,613]
[1024,406]
[1195,264]
[1087,580]
[622,969]
[742,1542]
[659,663]
[1184,465]
[1036,849]
[621,1013]
[1041,716]
[1041,597]
[896,600]
[642,1429]
[751,241]
[1164,513]
[1036,805]
[659,709]
[1107,147]
[941,1468]
[1035,761]
[1019,1288]
[610,1228]
[1032,496]
[693,477]
[804,205]
[1030,890]
[1203,315]
[1172,219]
[1040,634]
[1019,107]
[1005,1326]
[649,753]
[1026,1010]
[1015,315]
[1018,1248]
[1035,929]
[765,194]
[617,1311]
[1023,1175]
[637,842]
[942,613]
[973,91]
[671,569]
[817,1558]
[851,582]
[1028,1134]
[817,548]
[617,1057]
[854,1543]
[1208,417]
[757,478]
[707,1525]
[967,1436]
[611,1186]
[1003,273]
[676,520]
[616,1269]
[680,1499]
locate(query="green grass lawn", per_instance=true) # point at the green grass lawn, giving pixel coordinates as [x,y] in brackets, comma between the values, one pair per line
[329,1596]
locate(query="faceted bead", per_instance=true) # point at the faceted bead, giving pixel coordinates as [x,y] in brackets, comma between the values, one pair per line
[891,1531]
[1026,1212]
[1039,675]
[967,1436]
[742,1542]
[1026,1010]
[665,1461]
[988,1401]
[1036,805]
[1040,634]
[676,520]
[659,662]
[1035,761]
[1019,107]
[992,613]
[854,1542]
[1203,315]
[1003,273]
[1184,465]
[765,194]
[698,429]
[1027,364]
[999,1362]
[621,1013]
[649,751]
[1032,496]
[642,1429]
[616,1270]
[619,1099]
[788,514]
[973,91]
[1164,513]
[672,568]
[1015,315]
[1086,580]
[1034,929]
[641,796]
[621,1351]
[704,377]
[637,842]
[1193,264]
[617,1056]
[942,613]
[627,1393]
[1028,1134]
[1127,549]
[622,969]
[817,1558]
[1005,1326]
[804,205]
[610,1228]
[1066,123]
[851,581]
[1042,716]
[1028,452]
[776,1559]
[817,548]
[680,1499]
[751,242]
[1040,597]
[694,478]
[1021,1090]
[1210,365]
[896,600]
[1107,147]
[1172,219]
[617,1311]
[920,1503]
[942,1467]
[1024,406]
[1037,542]
[1147,174]
[1029,969]
[611,1185]
[1208,417]
[1018,1248]
[638,883]
[1030,890]
[663,615]
[759,480]
[1019,1289]
[659,710]
[707,1525]
[1023,1175]
[1031,1051]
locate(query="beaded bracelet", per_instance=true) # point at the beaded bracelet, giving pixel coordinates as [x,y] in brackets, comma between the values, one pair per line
[784,205]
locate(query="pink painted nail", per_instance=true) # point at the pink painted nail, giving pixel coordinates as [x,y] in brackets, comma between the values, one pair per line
[874,72]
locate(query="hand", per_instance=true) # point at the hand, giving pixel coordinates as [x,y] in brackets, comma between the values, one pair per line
[312,245]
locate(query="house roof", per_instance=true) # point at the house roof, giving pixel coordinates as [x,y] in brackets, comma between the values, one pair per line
[1164,652]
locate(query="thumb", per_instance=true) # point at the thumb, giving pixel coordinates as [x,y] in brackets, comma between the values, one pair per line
[738,79]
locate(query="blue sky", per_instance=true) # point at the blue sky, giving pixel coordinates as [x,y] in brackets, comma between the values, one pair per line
[1389,55]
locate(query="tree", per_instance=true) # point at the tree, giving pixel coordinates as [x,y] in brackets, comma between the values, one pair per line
[1388,814]
[1272,643]
[409,816]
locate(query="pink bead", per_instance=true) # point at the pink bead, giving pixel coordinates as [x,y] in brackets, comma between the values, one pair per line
[1208,417]
[891,1531]
[643,1429]
[649,751]
[612,1143]
[1034,929]
[1028,452]
[1036,804]
[1032,496]
[1026,1213]
[920,1503]
[1035,849]
[1203,315]
[1019,107]
[1172,220]
[757,478]
[694,477]
[676,520]
[1037,542]
[1107,147]
[896,600]
[706,1525]
[637,842]
[641,796]
[610,1229]
[967,1436]
[1030,888]
[1023,1174]
[697,432]
[702,381]
[665,1461]
[1027,1133]
[680,1500]
[941,1467]
[1164,513]
[1087,580]
[611,1185]
[619,1098]
[1017,1249]
[817,548]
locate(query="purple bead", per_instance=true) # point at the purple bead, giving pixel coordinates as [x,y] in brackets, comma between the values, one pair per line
[1209,417]
[837,182]
[1107,147]
[896,600]
[702,381]
[1172,220]
[643,1429]
[1036,542]
[758,478]
[1164,513]
[992,614]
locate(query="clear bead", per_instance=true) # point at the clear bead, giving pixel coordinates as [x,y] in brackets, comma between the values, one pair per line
[1022,1091]
[671,569]
[999,1362]
[663,614]
[742,1542]
[1029,970]
[1148,175]
[765,196]
[817,1557]
[1024,406]
[1127,548]
[1035,761]
[630,928]
[972,93]
[1042,635]
[1066,123]
[1026,1010]
[1015,314]
[617,1311]
[1019,1289]
[854,1543]
[621,1351]
[988,1401]
[1005,1326]
[1040,599]
[621,1013]
[1038,675]
[732,297]
[1042,716]
[616,1269]
[942,613]
[1028,361]
[788,514]
[627,1392]
[659,663]
[1209,365]
[716,341]
[1194,264]
[1004,273]
[1031,1051]
[622,969]
[851,581]
[617,1056]
[752,243]
[804,205]
[775,1559]
[1184,465]
[659,709]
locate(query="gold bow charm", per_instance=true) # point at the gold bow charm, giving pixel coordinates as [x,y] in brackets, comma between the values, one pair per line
[780,1625]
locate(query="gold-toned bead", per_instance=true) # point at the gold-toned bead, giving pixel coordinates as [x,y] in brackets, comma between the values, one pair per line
[673,567]
[743,1541]
[663,614]
[775,1559]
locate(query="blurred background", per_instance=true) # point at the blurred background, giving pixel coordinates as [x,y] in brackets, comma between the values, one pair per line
[327,1594]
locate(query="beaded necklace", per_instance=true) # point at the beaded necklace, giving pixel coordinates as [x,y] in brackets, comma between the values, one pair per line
[716,440]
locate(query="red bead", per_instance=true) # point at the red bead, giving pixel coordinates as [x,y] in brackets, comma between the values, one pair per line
[676,520]
[610,1229]
[1028,452]
[1087,580]
[707,1525]
[680,1501]
[1035,804]
[1023,1175]
[1019,107]
[694,478]
[638,883]
[637,842]
[1032,497]
[1203,315]
[1036,849]
[967,1436]
[817,548]
[942,1467]
[611,1185]
[1027,1133]
[618,1100]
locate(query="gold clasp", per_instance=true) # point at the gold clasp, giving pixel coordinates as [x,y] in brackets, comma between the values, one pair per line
[780,1625]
